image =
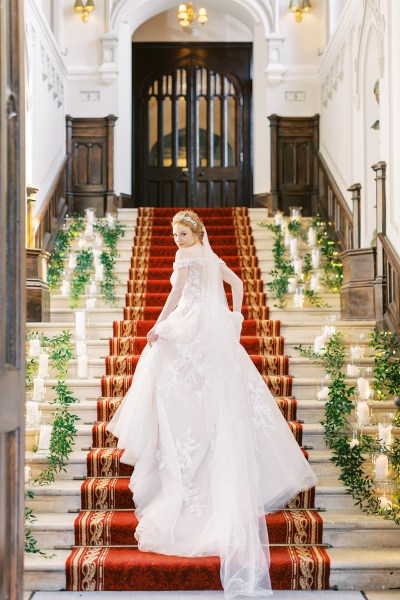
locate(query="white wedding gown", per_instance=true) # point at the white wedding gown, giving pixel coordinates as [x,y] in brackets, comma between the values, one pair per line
[208,463]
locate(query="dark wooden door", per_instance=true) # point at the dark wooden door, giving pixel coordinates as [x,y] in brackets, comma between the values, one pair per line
[192,125]
[294,165]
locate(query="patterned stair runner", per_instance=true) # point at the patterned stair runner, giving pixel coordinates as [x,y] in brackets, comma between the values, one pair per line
[106,556]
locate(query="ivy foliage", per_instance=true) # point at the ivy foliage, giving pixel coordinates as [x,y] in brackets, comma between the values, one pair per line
[354,456]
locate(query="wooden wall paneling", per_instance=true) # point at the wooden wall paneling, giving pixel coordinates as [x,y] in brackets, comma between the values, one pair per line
[12,298]
[90,167]
[294,168]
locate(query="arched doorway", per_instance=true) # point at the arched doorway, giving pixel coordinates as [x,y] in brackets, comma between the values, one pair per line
[191,142]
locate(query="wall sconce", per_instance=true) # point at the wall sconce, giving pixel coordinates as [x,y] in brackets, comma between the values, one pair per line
[84,9]
[300,8]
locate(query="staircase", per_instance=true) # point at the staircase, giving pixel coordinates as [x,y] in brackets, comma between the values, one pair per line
[361,552]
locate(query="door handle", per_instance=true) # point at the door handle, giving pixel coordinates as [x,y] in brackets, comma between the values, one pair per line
[185,172]
[201,174]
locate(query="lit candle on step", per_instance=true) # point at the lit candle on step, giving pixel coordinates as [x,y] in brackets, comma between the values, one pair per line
[99,272]
[90,215]
[315,258]
[362,412]
[328,330]
[80,324]
[97,240]
[72,261]
[291,285]
[278,218]
[385,434]
[27,474]
[382,467]
[319,343]
[80,348]
[89,230]
[312,236]
[83,366]
[363,388]
[38,389]
[34,347]
[352,370]
[298,265]
[110,220]
[287,238]
[44,437]
[43,365]
[65,288]
[293,246]
[314,283]
[298,300]
[32,414]
[385,502]
[323,394]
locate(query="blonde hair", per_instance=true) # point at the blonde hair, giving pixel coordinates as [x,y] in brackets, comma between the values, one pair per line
[190,219]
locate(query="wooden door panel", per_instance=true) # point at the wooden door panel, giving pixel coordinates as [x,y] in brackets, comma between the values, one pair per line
[192,118]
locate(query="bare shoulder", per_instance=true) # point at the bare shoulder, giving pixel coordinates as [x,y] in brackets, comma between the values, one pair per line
[183,253]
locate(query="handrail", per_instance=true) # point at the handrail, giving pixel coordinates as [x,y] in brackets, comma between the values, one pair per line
[45,204]
[53,209]
[334,208]
[391,292]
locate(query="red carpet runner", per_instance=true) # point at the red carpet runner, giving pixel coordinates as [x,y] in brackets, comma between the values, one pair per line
[105,556]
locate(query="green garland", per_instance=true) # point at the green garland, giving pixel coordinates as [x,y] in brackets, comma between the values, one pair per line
[332,267]
[350,455]
[64,430]
[84,269]
[283,268]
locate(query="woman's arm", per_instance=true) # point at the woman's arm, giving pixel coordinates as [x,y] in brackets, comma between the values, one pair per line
[175,294]
[236,285]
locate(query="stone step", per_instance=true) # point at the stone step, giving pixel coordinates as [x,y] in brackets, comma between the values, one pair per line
[65,495]
[313,434]
[350,569]
[340,530]
[319,460]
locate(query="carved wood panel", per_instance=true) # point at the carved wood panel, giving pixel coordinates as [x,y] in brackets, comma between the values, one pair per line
[90,172]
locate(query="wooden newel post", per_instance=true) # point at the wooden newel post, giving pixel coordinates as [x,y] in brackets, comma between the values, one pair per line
[355,190]
[30,219]
[357,291]
[380,279]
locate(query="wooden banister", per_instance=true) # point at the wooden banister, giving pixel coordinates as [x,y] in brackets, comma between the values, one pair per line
[52,211]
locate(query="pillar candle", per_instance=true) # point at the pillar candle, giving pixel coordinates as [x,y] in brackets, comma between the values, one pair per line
[298,300]
[362,412]
[27,473]
[89,229]
[65,288]
[43,365]
[385,434]
[80,348]
[72,261]
[278,218]
[44,437]
[382,467]
[355,352]
[99,272]
[363,388]
[89,215]
[312,236]
[291,285]
[287,238]
[352,370]
[34,347]
[80,324]
[91,289]
[297,265]
[38,389]
[293,246]
[314,283]
[319,343]
[82,366]
[328,330]
[323,394]
[110,220]
[32,413]
[315,258]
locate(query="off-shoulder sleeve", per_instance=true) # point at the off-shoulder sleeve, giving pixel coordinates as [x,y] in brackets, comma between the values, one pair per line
[181,262]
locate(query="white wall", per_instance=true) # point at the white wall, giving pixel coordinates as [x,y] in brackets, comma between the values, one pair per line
[45,101]
[363,49]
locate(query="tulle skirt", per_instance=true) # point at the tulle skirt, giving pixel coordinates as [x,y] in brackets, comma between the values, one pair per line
[205,476]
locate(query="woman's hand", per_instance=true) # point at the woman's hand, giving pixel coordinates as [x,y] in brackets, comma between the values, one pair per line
[152,337]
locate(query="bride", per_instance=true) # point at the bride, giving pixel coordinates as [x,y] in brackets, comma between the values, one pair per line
[211,450]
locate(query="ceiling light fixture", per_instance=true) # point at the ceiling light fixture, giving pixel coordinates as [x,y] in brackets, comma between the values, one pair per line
[187,13]
[300,8]
[84,9]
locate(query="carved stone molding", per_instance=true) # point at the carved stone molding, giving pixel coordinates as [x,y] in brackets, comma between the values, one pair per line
[275,70]
[335,74]
[109,69]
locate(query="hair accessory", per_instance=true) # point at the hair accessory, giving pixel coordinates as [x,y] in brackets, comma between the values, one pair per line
[187,218]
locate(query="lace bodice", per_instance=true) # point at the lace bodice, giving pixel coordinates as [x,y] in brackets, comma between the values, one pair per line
[192,289]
